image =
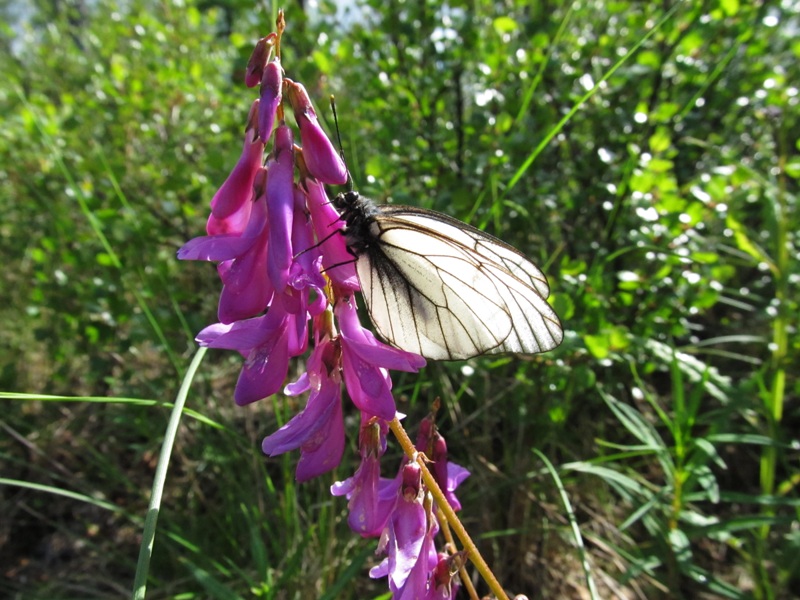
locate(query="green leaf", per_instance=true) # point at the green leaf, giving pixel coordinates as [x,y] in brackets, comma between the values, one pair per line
[661,165]
[564,306]
[632,420]
[710,451]
[619,481]
[238,40]
[731,7]
[597,345]
[323,61]
[105,259]
[706,480]
[610,339]
[681,547]
[705,257]
[504,24]
[792,168]
[504,122]
[660,140]
[649,58]
[744,243]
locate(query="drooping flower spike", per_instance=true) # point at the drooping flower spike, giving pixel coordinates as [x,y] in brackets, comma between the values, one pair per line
[288,283]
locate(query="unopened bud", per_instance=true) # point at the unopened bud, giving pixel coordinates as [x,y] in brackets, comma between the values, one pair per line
[441,572]
[424,436]
[271,96]
[412,481]
[321,158]
[258,60]
[370,439]
[439,458]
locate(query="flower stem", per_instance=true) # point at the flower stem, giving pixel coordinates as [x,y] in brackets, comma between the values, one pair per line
[462,569]
[449,513]
[151,520]
[776,395]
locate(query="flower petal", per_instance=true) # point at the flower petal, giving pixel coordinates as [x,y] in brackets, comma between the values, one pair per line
[280,208]
[339,263]
[321,158]
[271,95]
[238,187]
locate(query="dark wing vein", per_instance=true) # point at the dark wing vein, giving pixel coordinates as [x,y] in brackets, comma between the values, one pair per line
[437,287]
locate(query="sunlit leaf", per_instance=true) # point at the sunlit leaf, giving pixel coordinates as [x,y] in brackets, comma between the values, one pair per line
[731,7]
[660,140]
[792,168]
[743,241]
[504,24]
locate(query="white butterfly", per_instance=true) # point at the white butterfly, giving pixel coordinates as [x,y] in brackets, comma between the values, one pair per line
[441,288]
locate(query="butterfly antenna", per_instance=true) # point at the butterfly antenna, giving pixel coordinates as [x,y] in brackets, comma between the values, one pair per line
[349,181]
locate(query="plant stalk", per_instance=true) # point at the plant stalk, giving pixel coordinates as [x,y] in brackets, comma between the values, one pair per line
[472,550]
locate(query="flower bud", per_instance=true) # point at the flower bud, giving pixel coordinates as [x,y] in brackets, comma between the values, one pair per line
[412,481]
[280,208]
[271,96]
[321,158]
[258,60]
[369,441]
[441,575]
[439,458]
[230,206]
[425,436]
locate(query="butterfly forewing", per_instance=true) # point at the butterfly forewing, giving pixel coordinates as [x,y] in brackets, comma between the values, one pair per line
[485,245]
[437,287]
[425,301]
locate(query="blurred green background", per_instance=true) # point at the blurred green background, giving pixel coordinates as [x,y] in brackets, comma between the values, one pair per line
[663,208]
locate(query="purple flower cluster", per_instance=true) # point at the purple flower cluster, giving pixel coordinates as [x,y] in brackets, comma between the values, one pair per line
[399,511]
[288,278]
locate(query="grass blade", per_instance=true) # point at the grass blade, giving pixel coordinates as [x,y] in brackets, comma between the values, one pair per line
[149,534]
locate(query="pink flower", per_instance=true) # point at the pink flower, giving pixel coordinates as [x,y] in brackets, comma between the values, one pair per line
[339,264]
[318,430]
[371,498]
[406,530]
[266,344]
[418,584]
[280,208]
[230,207]
[321,158]
[258,60]
[305,271]
[364,363]
[280,248]
[284,263]
[243,266]
[271,96]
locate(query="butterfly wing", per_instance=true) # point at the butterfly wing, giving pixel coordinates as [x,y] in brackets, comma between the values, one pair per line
[443,289]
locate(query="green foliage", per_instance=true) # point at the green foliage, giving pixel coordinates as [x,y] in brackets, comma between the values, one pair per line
[664,212]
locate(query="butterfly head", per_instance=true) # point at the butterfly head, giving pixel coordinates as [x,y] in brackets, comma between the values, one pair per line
[347,201]
[358,214]
[354,208]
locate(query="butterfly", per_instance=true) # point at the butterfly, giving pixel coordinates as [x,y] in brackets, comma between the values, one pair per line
[443,289]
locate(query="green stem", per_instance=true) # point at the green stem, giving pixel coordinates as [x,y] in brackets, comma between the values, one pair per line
[775,399]
[149,534]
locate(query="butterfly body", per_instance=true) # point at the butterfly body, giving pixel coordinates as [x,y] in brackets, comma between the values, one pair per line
[441,288]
